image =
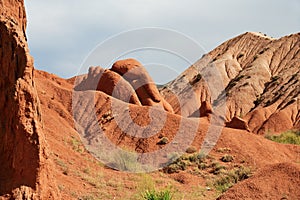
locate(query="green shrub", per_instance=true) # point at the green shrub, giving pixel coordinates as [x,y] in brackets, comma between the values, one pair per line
[175,167]
[157,195]
[181,163]
[197,158]
[125,161]
[191,150]
[288,137]
[225,181]
[163,141]
[217,168]
[227,158]
[202,166]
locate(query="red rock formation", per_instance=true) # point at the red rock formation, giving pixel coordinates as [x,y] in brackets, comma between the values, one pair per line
[205,109]
[237,123]
[134,72]
[24,160]
[113,84]
[259,74]
[125,77]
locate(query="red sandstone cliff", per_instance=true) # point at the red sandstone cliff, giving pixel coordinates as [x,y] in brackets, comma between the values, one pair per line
[24,171]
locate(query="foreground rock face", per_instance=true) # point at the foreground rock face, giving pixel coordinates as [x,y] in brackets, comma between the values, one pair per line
[261,82]
[24,168]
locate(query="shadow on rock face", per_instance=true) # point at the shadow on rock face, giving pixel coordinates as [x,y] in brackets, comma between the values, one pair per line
[126,77]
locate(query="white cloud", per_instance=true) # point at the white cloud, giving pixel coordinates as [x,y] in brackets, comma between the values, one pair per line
[62,33]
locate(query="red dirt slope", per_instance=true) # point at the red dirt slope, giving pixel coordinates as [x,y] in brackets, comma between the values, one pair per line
[277,181]
[55,95]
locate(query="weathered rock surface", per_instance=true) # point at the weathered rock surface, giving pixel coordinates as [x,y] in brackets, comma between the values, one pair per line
[124,78]
[261,82]
[24,171]
[237,123]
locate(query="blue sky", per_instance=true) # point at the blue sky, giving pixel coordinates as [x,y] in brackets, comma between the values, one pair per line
[61,34]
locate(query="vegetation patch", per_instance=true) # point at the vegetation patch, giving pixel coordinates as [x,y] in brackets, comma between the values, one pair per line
[185,161]
[76,145]
[157,195]
[191,150]
[163,141]
[62,164]
[227,158]
[288,137]
[229,178]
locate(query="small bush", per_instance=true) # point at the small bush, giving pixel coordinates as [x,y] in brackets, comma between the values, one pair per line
[163,141]
[202,166]
[217,168]
[197,158]
[175,167]
[227,158]
[157,195]
[64,167]
[228,179]
[224,150]
[288,137]
[125,161]
[191,150]
[181,163]
[76,145]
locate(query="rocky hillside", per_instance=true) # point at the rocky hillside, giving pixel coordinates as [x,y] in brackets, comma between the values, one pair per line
[54,131]
[79,175]
[259,82]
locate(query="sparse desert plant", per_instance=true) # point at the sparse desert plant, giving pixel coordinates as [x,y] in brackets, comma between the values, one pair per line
[191,150]
[94,179]
[227,158]
[226,180]
[175,167]
[157,195]
[76,145]
[198,158]
[288,137]
[62,164]
[217,168]
[163,140]
[146,183]
[125,161]
[224,150]
[181,163]
[202,166]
